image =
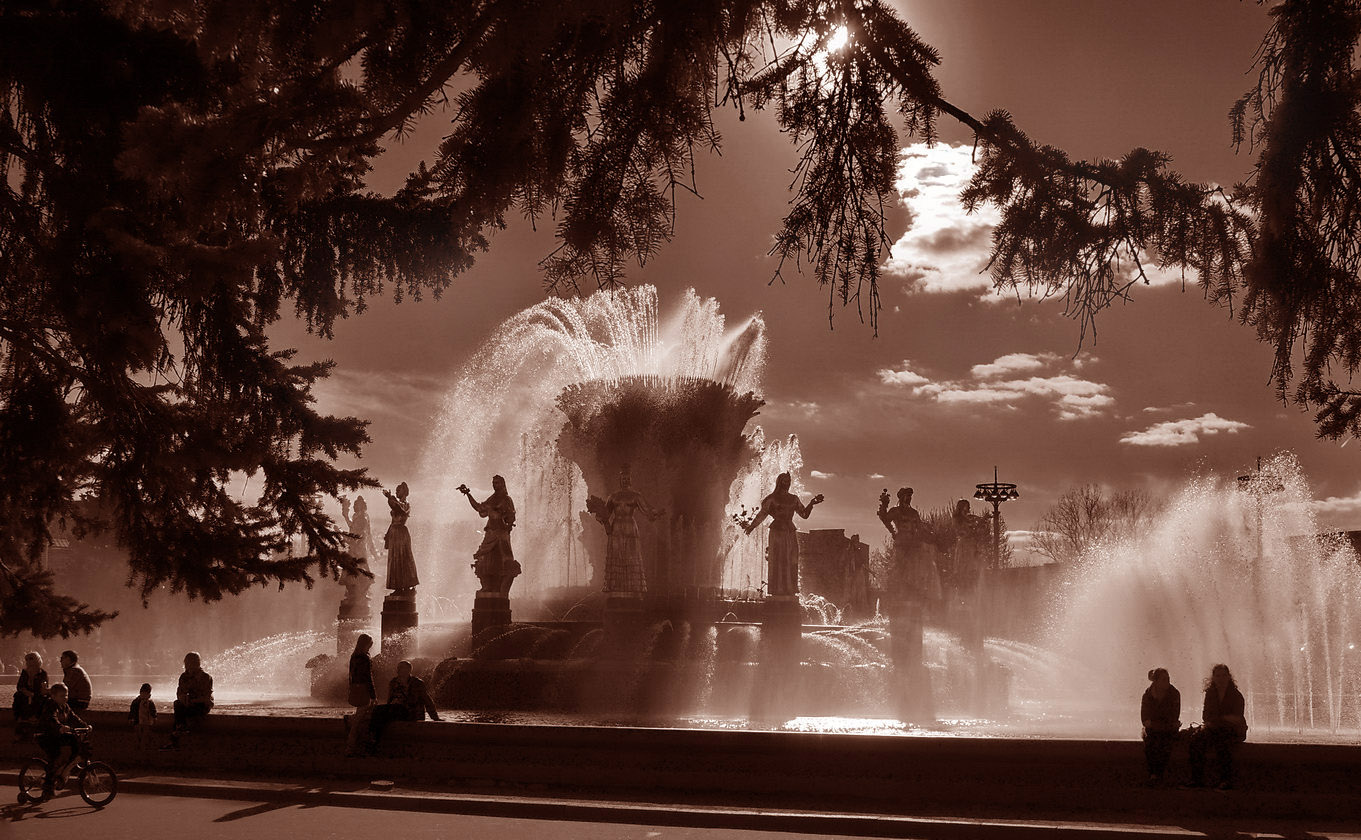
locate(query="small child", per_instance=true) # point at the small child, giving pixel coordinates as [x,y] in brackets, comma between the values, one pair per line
[142,715]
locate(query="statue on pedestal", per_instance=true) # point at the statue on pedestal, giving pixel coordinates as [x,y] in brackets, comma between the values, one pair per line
[968,553]
[623,557]
[495,564]
[782,552]
[397,540]
[360,547]
[915,575]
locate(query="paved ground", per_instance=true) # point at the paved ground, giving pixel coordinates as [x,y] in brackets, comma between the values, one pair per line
[147,817]
[154,807]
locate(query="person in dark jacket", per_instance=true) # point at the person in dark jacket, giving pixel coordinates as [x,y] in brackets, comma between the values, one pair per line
[362,695]
[142,715]
[1224,728]
[193,698]
[30,693]
[78,689]
[1160,712]
[408,699]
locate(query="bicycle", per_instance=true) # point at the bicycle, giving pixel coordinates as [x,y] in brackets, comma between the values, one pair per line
[96,781]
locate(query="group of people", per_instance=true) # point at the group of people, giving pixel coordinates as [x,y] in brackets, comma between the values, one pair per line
[51,710]
[1223,727]
[408,699]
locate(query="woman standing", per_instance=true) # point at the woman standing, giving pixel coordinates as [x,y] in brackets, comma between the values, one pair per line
[1160,712]
[401,562]
[361,694]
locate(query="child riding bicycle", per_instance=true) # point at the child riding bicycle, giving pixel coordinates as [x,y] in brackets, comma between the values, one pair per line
[58,725]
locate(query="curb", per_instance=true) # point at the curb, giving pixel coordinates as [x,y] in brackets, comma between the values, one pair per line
[633,813]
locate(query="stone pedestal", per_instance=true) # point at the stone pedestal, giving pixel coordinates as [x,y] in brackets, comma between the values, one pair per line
[911,678]
[779,673]
[354,618]
[782,625]
[624,623]
[399,617]
[490,609]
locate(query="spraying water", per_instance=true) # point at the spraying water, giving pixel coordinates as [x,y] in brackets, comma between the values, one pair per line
[559,397]
[1231,571]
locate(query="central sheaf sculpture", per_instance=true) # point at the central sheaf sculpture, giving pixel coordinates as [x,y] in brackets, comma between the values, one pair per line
[684,440]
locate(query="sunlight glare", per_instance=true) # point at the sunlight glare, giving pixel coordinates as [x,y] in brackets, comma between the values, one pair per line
[839,39]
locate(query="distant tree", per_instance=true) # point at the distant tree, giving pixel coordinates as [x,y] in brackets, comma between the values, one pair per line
[179,174]
[1088,516]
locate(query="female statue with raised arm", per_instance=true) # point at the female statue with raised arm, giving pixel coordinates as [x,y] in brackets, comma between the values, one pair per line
[915,574]
[494,563]
[397,540]
[782,552]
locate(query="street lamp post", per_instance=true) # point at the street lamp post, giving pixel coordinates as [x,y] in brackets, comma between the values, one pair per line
[994,493]
[1258,485]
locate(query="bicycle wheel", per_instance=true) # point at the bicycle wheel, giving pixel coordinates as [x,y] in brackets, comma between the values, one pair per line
[98,784]
[31,778]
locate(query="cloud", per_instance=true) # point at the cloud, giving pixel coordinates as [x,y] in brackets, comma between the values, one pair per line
[820,474]
[1183,432]
[875,476]
[1014,363]
[1163,409]
[905,376]
[1072,397]
[946,249]
[368,394]
[1337,505]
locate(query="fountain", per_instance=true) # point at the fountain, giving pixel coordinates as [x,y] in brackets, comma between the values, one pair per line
[568,392]
[558,399]
[1226,573]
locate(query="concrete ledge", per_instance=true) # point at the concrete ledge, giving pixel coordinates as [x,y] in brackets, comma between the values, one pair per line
[983,778]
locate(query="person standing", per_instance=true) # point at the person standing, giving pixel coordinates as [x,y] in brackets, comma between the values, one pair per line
[1160,712]
[78,688]
[142,715]
[361,693]
[1223,729]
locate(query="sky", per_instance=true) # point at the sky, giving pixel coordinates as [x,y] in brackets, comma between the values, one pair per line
[957,380]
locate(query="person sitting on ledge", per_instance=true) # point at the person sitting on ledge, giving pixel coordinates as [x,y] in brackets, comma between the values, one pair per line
[1224,728]
[78,687]
[408,699]
[29,694]
[1160,712]
[193,698]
